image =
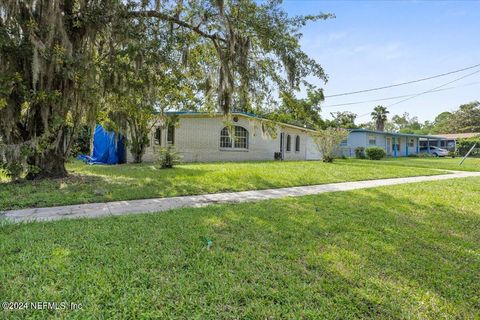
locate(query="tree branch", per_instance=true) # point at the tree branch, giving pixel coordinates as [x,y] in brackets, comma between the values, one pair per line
[165,17]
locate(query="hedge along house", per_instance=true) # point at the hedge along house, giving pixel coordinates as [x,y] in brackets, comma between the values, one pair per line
[205,137]
[394,144]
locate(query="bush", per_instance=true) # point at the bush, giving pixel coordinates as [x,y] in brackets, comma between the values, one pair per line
[328,159]
[360,153]
[464,145]
[81,144]
[328,140]
[452,154]
[13,161]
[425,155]
[168,158]
[12,170]
[375,153]
[413,155]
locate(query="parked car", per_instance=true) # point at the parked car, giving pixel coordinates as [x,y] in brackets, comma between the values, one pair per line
[436,151]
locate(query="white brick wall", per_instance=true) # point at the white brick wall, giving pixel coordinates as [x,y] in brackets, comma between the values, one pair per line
[197,139]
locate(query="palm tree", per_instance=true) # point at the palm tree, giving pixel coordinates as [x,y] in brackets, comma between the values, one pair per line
[379,115]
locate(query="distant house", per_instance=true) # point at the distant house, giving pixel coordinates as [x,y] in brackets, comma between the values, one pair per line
[449,140]
[394,144]
[204,137]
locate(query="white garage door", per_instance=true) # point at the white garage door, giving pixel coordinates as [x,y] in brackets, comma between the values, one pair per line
[312,150]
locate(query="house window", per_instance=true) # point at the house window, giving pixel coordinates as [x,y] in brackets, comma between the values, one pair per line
[158,136]
[289,143]
[297,144]
[171,134]
[239,141]
[372,140]
[344,142]
[411,143]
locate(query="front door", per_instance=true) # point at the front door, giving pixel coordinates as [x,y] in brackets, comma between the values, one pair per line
[389,146]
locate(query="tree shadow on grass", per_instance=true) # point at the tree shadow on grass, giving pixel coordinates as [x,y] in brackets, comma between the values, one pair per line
[104,183]
[363,254]
[408,252]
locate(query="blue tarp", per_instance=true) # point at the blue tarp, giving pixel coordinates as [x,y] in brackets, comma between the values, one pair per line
[108,148]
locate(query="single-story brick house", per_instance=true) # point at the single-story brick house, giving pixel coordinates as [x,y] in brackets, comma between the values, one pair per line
[394,144]
[204,137]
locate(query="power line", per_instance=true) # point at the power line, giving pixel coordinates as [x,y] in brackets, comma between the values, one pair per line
[393,98]
[401,84]
[431,90]
[428,91]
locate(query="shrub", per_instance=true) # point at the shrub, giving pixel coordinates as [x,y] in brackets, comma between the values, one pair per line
[360,153]
[328,158]
[81,144]
[452,154]
[375,153]
[413,155]
[13,161]
[464,145]
[168,158]
[328,140]
[425,155]
[12,170]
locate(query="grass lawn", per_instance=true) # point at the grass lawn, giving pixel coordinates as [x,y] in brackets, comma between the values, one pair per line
[130,181]
[470,164]
[409,252]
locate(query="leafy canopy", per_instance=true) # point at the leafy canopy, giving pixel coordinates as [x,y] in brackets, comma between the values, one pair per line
[64,63]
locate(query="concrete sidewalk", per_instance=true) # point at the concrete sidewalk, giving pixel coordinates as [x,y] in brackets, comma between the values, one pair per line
[95,210]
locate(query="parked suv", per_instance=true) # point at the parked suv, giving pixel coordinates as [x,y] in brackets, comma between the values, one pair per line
[436,151]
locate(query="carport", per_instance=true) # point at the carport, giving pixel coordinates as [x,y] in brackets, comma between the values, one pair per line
[437,141]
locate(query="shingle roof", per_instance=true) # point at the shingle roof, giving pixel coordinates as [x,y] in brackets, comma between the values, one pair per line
[461,135]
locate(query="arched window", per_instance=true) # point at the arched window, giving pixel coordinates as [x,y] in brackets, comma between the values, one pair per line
[239,141]
[297,143]
[289,143]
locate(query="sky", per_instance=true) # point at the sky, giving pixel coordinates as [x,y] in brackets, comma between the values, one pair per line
[377,43]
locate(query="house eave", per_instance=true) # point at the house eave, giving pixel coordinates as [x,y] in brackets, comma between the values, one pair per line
[398,134]
[191,114]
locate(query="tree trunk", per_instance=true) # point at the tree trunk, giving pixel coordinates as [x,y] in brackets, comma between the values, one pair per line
[92,127]
[51,164]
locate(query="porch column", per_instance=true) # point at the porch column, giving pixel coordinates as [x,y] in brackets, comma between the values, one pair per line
[394,146]
[407,141]
[428,145]
[418,145]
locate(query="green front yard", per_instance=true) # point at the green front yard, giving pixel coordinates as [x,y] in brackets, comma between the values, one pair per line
[470,164]
[126,182]
[402,252]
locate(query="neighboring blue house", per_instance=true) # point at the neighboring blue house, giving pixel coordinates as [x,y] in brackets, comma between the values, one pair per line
[394,144]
